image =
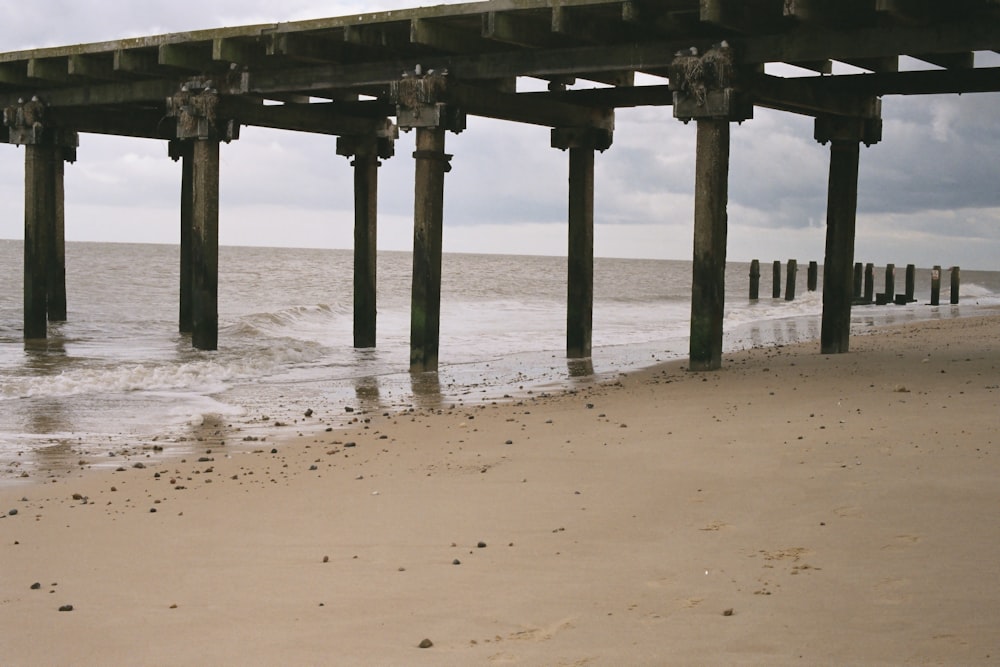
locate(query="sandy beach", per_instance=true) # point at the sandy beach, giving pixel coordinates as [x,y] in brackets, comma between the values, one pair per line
[789,509]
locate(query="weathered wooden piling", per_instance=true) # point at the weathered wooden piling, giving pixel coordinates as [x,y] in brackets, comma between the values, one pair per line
[936,285]
[812,276]
[858,281]
[844,136]
[888,295]
[580,259]
[956,282]
[911,282]
[39,216]
[869,282]
[205,244]
[56,300]
[793,269]
[776,280]
[365,152]
[428,217]
[710,229]
[755,280]
[183,151]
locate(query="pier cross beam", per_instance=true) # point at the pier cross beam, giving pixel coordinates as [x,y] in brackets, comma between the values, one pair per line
[844,136]
[199,126]
[581,144]
[366,151]
[47,147]
[417,97]
[705,89]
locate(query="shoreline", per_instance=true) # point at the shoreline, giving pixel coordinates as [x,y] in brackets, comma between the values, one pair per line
[791,508]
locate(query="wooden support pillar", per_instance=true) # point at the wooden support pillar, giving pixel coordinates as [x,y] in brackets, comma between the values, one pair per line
[845,136]
[200,129]
[936,285]
[418,106]
[776,279]
[56,305]
[890,282]
[366,152]
[39,228]
[869,282]
[911,283]
[580,293]
[790,279]
[581,144]
[838,265]
[183,151]
[710,229]
[205,244]
[428,217]
[755,280]
[812,276]
[859,277]
[956,282]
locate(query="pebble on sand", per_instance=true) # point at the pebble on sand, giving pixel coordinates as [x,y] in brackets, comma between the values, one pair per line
[66,607]
[426,643]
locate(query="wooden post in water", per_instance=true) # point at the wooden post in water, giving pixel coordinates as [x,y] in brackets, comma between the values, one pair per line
[57,263]
[936,285]
[869,282]
[581,144]
[755,280]
[812,276]
[911,282]
[183,151]
[205,244]
[196,110]
[858,281]
[776,280]
[793,269]
[710,229]
[366,152]
[428,215]
[844,136]
[890,283]
[417,106]
[956,282]
[39,216]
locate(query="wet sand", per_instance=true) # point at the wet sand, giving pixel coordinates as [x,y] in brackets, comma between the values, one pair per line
[791,508]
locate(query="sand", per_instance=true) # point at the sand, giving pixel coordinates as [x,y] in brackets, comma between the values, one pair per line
[791,508]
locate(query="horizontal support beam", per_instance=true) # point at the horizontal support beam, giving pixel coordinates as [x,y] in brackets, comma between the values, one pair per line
[810,96]
[319,118]
[536,110]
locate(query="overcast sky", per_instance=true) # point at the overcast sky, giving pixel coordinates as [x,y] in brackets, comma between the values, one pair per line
[928,192]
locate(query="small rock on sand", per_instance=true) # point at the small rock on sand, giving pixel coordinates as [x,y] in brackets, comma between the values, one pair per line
[426,643]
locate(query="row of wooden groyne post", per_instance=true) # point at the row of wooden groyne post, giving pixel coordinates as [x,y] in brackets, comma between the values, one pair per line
[864,277]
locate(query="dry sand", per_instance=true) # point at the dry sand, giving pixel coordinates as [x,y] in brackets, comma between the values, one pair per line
[792,508]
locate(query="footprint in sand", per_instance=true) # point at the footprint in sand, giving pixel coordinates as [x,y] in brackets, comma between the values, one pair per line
[542,634]
[901,542]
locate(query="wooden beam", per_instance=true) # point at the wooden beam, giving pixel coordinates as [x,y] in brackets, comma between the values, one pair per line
[319,118]
[510,29]
[135,61]
[146,123]
[238,51]
[92,67]
[879,65]
[964,60]
[104,94]
[807,95]
[48,69]
[442,37]
[14,74]
[810,43]
[538,110]
[196,57]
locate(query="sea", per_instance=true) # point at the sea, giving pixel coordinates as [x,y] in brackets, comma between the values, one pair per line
[117,377]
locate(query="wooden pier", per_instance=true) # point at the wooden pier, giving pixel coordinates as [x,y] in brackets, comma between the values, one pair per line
[362,78]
